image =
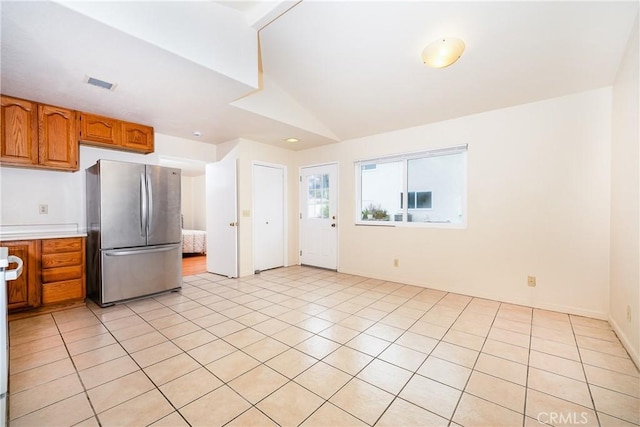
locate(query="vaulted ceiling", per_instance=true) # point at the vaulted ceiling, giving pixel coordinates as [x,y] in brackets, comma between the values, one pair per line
[319,71]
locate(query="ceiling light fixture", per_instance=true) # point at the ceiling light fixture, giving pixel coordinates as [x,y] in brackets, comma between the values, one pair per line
[442,52]
[197,133]
[292,140]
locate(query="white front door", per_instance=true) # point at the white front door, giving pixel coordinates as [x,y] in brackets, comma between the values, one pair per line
[222,218]
[268,217]
[318,216]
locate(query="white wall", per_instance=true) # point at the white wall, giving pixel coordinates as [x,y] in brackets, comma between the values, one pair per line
[538,204]
[207,33]
[625,201]
[198,211]
[173,147]
[193,202]
[22,190]
[247,151]
[187,202]
[190,156]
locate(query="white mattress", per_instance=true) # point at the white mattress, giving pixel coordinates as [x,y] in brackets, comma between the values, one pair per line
[194,241]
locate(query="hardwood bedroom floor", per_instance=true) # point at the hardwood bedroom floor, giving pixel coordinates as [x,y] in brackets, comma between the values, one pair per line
[194,264]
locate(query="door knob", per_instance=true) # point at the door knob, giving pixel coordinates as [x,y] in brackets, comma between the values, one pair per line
[233,224]
[333,225]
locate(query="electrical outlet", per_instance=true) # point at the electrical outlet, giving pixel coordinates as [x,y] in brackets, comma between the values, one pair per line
[396,262]
[628,313]
[531,281]
[43,209]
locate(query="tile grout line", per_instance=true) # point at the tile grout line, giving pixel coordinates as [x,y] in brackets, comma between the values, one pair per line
[474,363]
[307,308]
[359,371]
[584,372]
[526,379]
[134,361]
[413,374]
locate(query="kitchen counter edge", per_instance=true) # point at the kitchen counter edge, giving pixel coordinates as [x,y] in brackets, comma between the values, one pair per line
[39,236]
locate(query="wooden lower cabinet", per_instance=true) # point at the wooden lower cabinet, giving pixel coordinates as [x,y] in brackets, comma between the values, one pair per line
[62,275]
[24,292]
[52,272]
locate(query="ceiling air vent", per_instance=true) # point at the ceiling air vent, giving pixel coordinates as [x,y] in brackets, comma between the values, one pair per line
[100,83]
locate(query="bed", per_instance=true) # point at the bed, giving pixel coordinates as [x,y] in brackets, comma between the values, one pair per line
[194,241]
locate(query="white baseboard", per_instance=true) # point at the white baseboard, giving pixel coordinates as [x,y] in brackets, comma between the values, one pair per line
[634,353]
[578,311]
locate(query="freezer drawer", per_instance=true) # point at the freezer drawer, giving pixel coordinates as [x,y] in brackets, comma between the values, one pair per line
[132,273]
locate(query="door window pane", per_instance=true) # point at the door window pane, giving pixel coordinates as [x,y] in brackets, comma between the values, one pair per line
[318,196]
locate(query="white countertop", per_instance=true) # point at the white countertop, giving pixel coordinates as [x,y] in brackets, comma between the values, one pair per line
[39,231]
[38,236]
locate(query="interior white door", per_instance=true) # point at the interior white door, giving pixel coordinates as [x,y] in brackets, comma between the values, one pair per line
[318,216]
[268,217]
[222,217]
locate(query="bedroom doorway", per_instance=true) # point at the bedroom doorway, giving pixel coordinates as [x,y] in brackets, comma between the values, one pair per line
[268,216]
[193,264]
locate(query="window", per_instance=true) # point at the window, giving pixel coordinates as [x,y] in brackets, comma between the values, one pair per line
[318,196]
[431,186]
[417,199]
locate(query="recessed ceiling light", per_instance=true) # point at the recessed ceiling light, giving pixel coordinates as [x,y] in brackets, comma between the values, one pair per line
[292,140]
[197,133]
[100,83]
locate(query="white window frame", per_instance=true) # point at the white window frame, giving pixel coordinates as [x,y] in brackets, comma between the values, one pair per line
[404,158]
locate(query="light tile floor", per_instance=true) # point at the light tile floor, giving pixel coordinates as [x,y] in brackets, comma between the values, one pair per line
[302,346]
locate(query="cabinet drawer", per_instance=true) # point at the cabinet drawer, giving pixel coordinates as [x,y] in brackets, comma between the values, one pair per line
[50,246]
[61,260]
[58,274]
[62,291]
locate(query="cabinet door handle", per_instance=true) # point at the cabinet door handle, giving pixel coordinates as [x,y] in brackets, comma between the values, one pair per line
[16,272]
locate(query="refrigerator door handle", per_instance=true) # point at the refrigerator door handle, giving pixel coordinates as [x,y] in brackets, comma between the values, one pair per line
[139,252]
[150,203]
[143,210]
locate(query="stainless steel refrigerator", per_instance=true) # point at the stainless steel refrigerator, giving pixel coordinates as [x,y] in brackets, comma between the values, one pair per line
[134,236]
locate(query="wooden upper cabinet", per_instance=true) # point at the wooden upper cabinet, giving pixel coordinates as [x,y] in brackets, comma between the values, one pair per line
[99,130]
[19,128]
[112,133]
[57,135]
[43,136]
[38,135]
[137,137]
